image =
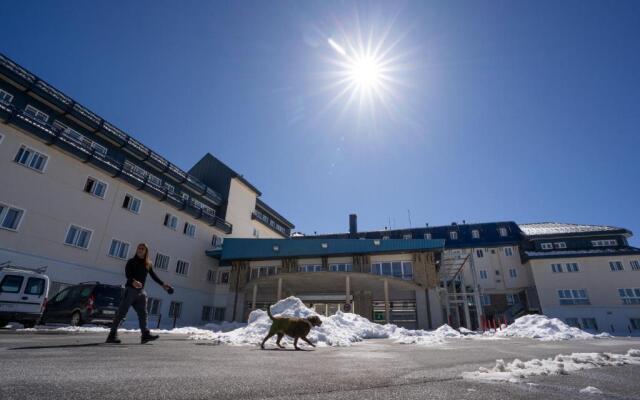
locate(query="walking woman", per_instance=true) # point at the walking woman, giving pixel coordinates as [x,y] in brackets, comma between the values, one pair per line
[136,271]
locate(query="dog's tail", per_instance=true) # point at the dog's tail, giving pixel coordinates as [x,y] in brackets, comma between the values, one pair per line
[269,312]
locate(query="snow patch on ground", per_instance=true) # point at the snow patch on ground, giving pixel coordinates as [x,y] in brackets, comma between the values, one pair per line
[591,390]
[517,370]
[544,328]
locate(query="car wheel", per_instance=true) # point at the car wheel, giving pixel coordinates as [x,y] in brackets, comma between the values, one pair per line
[76,320]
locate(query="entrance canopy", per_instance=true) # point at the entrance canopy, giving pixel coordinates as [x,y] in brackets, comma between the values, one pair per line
[234,249]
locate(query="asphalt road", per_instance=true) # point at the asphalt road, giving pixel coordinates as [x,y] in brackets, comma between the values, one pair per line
[79,366]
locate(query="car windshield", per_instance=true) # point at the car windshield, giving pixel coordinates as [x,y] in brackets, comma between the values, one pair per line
[108,295]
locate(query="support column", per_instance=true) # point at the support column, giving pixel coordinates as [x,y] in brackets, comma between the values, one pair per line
[455,303]
[467,316]
[479,311]
[435,306]
[422,312]
[387,311]
[347,282]
[279,295]
[255,296]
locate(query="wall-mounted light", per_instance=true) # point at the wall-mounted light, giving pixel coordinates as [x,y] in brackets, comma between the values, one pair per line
[376,242]
[276,248]
[324,245]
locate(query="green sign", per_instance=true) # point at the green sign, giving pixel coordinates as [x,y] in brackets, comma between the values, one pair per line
[378,315]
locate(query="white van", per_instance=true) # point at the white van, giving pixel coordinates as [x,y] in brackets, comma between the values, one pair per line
[23,295]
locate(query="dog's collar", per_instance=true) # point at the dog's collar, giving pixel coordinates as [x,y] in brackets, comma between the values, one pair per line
[308,323]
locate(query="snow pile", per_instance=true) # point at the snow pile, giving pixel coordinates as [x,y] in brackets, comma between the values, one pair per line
[544,328]
[517,370]
[591,390]
[340,329]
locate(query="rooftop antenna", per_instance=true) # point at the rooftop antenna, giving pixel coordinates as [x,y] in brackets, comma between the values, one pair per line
[409,214]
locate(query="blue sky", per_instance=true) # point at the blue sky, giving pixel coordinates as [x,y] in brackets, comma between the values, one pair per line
[525,111]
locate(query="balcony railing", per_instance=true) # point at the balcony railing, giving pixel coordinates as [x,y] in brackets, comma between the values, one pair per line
[268,221]
[90,151]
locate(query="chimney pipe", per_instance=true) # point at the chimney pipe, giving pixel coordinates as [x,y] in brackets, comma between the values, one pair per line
[353,225]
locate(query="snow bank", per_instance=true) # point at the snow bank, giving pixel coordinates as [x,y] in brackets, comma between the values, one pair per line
[517,370]
[591,390]
[544,328]
[340,329]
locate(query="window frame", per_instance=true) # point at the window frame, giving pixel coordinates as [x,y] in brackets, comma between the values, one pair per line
[3,216]
[119,249]
[155,262]
[635,265]
[11,97]
[95,182]
[172,309]
[189,229]
[503,232]
[27,163]
[35,113]
[475,234]
[483,274]
[618,264]
[75,245]
[150,303]
[184,262]
[453,235]
[132,201]
[170,217]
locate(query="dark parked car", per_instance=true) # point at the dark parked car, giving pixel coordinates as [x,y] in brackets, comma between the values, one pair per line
[85,303]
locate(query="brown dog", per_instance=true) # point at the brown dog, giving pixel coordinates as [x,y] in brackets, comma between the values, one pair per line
[297,328]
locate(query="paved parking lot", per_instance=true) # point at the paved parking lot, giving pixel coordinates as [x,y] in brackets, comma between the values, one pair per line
[78,366]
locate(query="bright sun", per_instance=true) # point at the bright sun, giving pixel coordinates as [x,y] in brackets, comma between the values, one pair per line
[365,72]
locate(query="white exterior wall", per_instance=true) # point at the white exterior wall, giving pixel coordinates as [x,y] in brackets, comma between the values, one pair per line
[54,199]
[601,284]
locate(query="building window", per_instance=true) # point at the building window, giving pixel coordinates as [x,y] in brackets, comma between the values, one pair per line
[31,159]
[340,267]
[161,263]
[397,269]
[573,297]
[508,251]
[512,299]
[216,241]
[171,221]
[635,265]
[483,274]
[95,187]
[119,249]
[223,278]
[5,97]
[207,313]
[572,267]
[616,266]
[78,237]
[546,246]
[604,243]
[513,273]
[475,234]
[218,313]
[556,268]
[560,245]
[131,203]
[261,272]
[189,229]
[175,309]
[153,306]
[589,324]
[407,236]
[310,268]
[427,236]
[574,322]
[182,267]
[502,231]
[485,300]
[10,217]
[453,235]
[36,114]
[629,296]
[211,276]
[479,253]
[635,323]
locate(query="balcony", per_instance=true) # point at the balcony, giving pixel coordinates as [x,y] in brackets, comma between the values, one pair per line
[270,223]
[91,152]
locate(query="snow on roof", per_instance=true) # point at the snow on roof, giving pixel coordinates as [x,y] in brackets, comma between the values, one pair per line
[554,228]
[585,252]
